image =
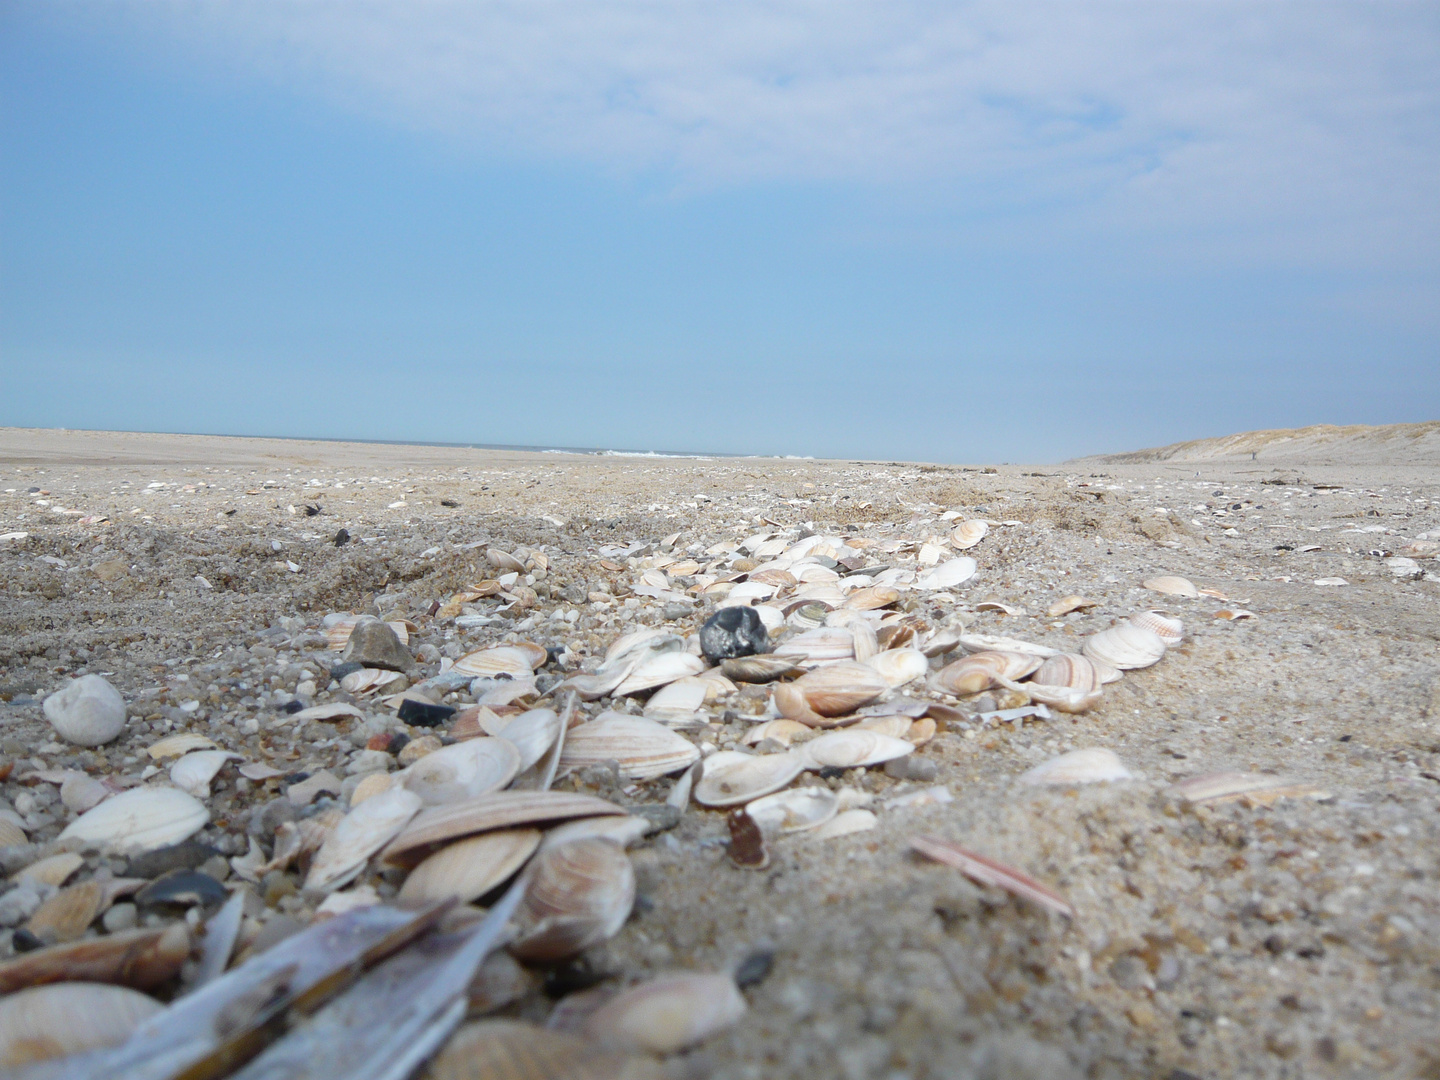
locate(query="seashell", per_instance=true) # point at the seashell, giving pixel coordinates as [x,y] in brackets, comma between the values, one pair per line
[371,786]
[46,1022]
[1093,766]
[845,823]
[899,666]
[577,895]
[418,748]
[987,871]
[1170,631]
[1125,646]
[759,668]
[369,680]
[364,830]
[794,809]
[1171,585]
[638,645]
[1069,670]
[503,560]
[897,727]
[872,597]
[731,778]
[782,731]
[532,733]
[866,644]
[976,643]
[623,829]
[257,770]
[982,670]
[141,819]
[658,670]
[678,702]
[67,914]
[839,689]
[138,958]
[807,616]
[516,1050]
[470,868]
[669,1013]
[464,770]
[644,748]
[852,748]
[1064,698]
[11,833]
[499,810]
[1067,604]
[222,930]
[178,745]
[193,772]
[969,534]
[745,593]
[948,574]
[87,711]
[921,731]
[818,646]
[511,660]
[1220,787]
[55,870]
[339,710]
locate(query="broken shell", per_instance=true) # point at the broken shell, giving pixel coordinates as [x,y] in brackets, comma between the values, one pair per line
[623,829]
[645,749]
[193,772]
[845,823]
[782,731]
[364,830]
[948,574]
[369,680]
[852,748]
[818,646]
[500,810]
[140,820]
[839,689]
[731,778]
[138,958]
[463,770]
[982,670]
[1125,646]
[178,745]
[1170,631]
[668,1013]
[794,810]
[80,792]
[511,660]
[969,534]
[1092,766]
[758,669]
[532,733]
[578,895]
[897,727]
[67,914]
[987,871]
[52,871]
[46,1022]
[1067,604]
[658,670]
[921,731]
[1069,670]
[516,1050]
[1065,698]
[503,560]
[899,666]
[1252,787]
[872,597]
[372,785]
[467,870]
[1171,585]
[976,643]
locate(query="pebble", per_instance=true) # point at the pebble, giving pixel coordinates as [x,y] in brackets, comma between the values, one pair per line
[121,916]
[911,767]
[87,711]
[732,632]
[373,644]
[308,790]
[366,761]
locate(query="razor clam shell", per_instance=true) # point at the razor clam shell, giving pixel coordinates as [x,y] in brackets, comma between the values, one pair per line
[1095,765]
[645,749]
[470,868]
[900,666]
[577,895]
[669,1013]
[517,1050]
[969,533]
[141,819]
[178,745]
[138,958]
[46,1022]
[1170,631]
[1172,585]
[987,871]
[361,833]
[658,670]
[511,660]
[974,643]
[463,770]
[1125,646]
[731,778]
[501,809]
[193,772]
[846,822]
[794,809]
[851,748]
[532,733]
[948,574]
[1068,669]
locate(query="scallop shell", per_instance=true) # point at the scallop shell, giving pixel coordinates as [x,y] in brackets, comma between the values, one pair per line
[179,744]
[500,810]
[1125,646]
[46,1022]
[193,772]
[512,660]
[982,670]
[899,666]
[364,830]
[1092,766]
[644,748]
[818,646]
[463,770]
[516,1050]
[852,748]
[472,867]
[1170,631]
[578,895]
[532,733]
[67,914]
[839,689]
[140,820]
[969,534]
[1069,670]
[948,574]
[678,702]
[668,1013]
[658,670]
[731,778]
[794,809]
[1171,585]
[55,870]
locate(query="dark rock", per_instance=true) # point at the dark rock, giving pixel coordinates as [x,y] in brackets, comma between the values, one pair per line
[186,856]
[755,968]
[264,820]
[423,714]
[339,671]
[292,707]
[185,888]
[373,644]
[732,632]
[911,767]
[24,941]
[341,537]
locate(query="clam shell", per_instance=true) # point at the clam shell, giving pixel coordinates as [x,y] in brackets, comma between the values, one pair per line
[668,1013]
[821,645]
[368,680]
[371,786]
[68,1018]
[1092,766]
[845,823]
[1171,585]
[80,792]
[1170,631]
[67,914]
[872,597]
[503,560]
[758,668]
[463,770]
[678,702]
[969,534]
[193,772]
[782,731]
[499,810]
[1253,787]
[516,1050]
[644,748]
[623,829]
[639,645]
[974,643]
[921,731]
[577,895]
[899,666]
[532,733]
[731,778]
[948,574]
[177,745]
[852,748]
[658,670]
[1125,646]
[140,820]
[10,833]
[138,958]
[1063,698]
[839,689]
[982,670]
[470,868]
[1069,670]
[364,830]
[794,809]
[1067,604]
[52,871]
[897,727]
[512,660]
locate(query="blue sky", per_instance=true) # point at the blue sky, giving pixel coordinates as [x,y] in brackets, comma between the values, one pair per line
[949,232]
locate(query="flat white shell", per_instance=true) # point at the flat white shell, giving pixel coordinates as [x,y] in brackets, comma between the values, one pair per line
[179,744]
[645,749]
[845,823]
[948,574]
[974,643]
[532,734]
[623,829]
[668,1013]
[362,832]
[469,868]
[193,772]
[140,819]
[1091,766]
[504,660]
[794,809]
[731,778]
[1125,646]
[658,670]
[678,701]
[851,748]
[1171,585]
[65,1018]
[463,771]
[821,645]
[899,666]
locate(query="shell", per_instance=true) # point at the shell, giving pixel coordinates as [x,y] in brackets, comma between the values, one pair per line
[668,1013]
[179,744]
[974,643]
[578,895]
[1067,604]
[67,914]
[339,627]
[899,666]
[839,689]
[987,871]
[463,770]
[1170,631]
[467,870]
[644,748]
[371,786]
[1125,646]
[368,680]
[1171,585]
[140,820]
[897,727]
[948,574]
[758,668]
[1063,698]
[782,731]
[872,597]
[138,958]
[68,1018]
[87,711]
[52,871]
[794,809]
[1092,766]
[10,833]
[818,646]
[658,670]
[845,823]
[364,830]
[852,748]
[193,772]
[731,778]
[499,810]
[1253,787]
[513,660]
[623,829]
[679,701]
[80,792]
[503,560]
[532,733]
[516,1050]
[969,534]
[982,670]
[1069,670]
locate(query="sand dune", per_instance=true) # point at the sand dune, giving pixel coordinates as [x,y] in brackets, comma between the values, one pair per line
[1319,444]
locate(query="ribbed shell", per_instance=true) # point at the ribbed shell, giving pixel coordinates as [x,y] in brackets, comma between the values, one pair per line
[469,868]
[578,895]
[645,749]
[852,748]
[1170,631]
[731,778]
[464,770]
[1125,646]
[68,1018]
[500,810]
[982,670]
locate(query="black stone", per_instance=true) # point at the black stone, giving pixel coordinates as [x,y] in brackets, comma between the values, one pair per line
[449,502]
[311,511]
[185,888]
[25,941]
[292,707]
[422,714]
[186,856]
[339,671]
[755,968]
[732,632]
[341,537]
[572,976]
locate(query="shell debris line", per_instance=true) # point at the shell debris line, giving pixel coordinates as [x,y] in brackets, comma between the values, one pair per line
[603,765]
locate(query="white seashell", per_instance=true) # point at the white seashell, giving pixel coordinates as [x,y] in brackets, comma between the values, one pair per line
[900,666]
[464,770]
[87,711]
[851,748]
[639,645]
[782,731]
[772,618]
[679,701]
[974,643]
[668,1013]
[845,823]
[578,895]
[794,809]
[511,660]
[1069,670]
[948,574]
[1064,698]
[731,778]
[644,748]
[1125,646]
[470,868]
[833,690]
[866,644]
[532,733]
[193,772]
[140,819]
[1091,766]
[1171,585]
[929,553]
[658,670]
[623,829]
[821,645]
[1170,631]
[179,744]
[339,710]
[1253,787]
[897,727]
[748,591]
[503,560]
[361,833]
[368,680]
[81,791]
[66,1018]
[969,533]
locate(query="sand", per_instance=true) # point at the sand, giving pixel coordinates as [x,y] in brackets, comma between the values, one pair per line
[1233,940]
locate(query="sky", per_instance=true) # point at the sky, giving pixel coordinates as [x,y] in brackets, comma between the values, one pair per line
[953,232]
